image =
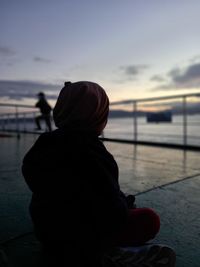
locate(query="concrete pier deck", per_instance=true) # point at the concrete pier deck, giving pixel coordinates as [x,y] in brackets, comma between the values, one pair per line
[167,180]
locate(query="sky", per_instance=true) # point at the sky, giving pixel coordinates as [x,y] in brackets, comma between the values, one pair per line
[132,48]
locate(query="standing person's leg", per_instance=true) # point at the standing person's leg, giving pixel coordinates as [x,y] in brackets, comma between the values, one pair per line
[48,122]
[37,121]
[143,225]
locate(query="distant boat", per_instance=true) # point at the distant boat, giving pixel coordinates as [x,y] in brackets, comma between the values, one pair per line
[157,117]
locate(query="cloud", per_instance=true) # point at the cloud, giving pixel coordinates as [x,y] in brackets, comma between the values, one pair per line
[27,89]
[181,78]
[187,78]
[131,71]
[41,60]
[6,51]
[195,59]
[158,78]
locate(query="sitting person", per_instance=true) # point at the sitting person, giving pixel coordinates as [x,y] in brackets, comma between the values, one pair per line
[77,206]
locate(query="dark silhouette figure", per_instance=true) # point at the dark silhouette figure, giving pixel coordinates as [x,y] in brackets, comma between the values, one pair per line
[45,110]
[77,207]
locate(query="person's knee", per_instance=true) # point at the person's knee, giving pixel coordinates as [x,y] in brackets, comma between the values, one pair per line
[151,220]
[143,224]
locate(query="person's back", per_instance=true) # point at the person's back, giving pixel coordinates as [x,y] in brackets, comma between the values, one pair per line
[44,107]
[67,173]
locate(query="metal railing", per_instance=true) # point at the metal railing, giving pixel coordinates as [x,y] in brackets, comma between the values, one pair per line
[15,117]
[184,112]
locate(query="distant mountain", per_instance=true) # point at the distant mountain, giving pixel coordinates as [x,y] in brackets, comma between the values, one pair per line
[120,113]
[191,109]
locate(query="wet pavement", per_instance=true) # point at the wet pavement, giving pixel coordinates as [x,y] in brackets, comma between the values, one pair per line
[166,180]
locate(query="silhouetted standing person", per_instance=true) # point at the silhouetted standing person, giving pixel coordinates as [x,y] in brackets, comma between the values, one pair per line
[45,110]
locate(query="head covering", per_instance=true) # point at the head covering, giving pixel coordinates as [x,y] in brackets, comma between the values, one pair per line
[41,94]
[82,106]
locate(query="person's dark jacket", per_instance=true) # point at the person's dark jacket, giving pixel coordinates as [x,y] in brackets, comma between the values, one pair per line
[44,107]
[76,195]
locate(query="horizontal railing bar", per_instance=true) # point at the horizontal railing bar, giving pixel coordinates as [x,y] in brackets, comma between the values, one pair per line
[16,105]
[149,143]
[118,102]
[154,99]
[19,113]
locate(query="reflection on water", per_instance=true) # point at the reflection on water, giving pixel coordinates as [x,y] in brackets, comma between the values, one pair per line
[143,168]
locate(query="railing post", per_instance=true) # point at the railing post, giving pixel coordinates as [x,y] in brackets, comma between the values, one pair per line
[3,123]
[7,122]
[135,120]
[24,120]
[17,121]
[184,120]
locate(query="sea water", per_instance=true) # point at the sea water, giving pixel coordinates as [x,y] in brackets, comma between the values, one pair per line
[173,132]
[123,128]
